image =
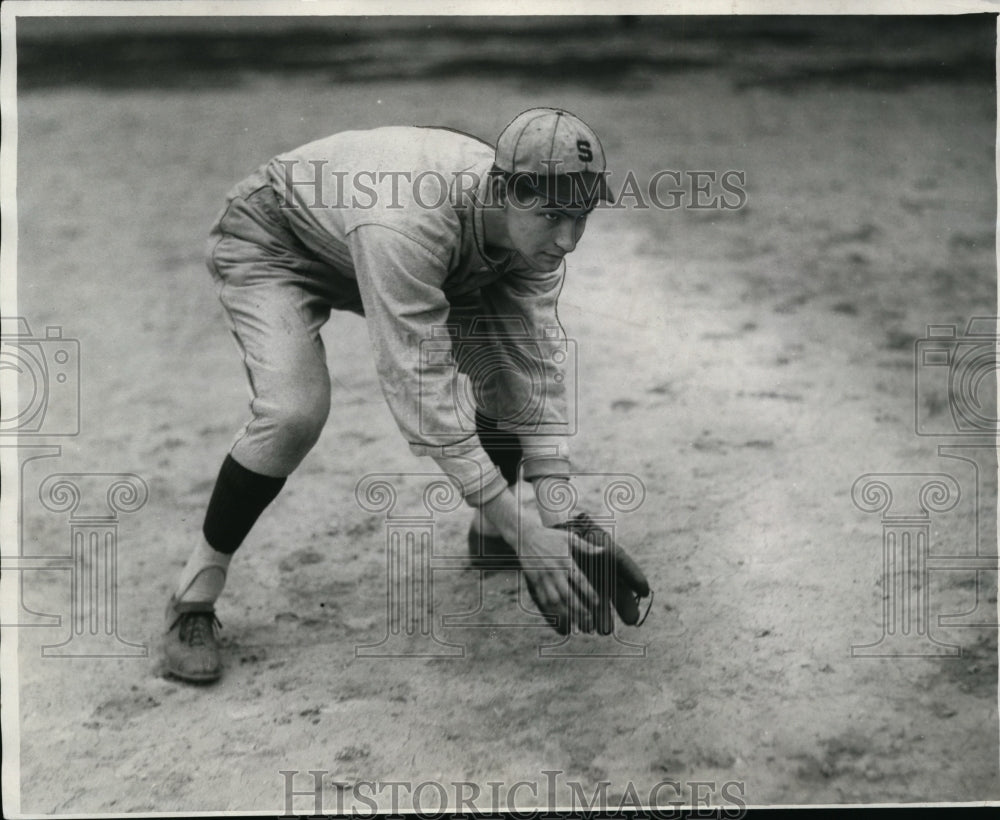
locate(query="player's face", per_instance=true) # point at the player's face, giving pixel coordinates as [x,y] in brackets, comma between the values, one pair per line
[543,235]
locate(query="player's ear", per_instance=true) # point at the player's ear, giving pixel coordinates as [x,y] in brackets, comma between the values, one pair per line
[498,188]
[500,191]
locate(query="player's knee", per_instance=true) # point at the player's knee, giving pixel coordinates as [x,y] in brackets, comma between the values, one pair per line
[298,425]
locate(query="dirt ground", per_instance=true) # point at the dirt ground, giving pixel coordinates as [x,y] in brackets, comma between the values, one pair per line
[747,365]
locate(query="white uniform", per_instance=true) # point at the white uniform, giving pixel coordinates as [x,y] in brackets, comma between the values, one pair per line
[388,223]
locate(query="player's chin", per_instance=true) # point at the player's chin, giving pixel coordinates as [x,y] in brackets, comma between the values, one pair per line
[547,262]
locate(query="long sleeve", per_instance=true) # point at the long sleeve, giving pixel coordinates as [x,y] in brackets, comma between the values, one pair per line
[400,281]
[536,391]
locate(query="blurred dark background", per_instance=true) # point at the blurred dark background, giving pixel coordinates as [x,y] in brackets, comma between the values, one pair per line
[596,51]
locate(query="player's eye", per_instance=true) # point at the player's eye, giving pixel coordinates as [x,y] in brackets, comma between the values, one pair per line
[552,217]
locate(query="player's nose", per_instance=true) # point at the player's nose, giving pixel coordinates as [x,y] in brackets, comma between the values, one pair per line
[567,237]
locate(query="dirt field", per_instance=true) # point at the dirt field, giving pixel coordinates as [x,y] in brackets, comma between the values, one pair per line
[747,365]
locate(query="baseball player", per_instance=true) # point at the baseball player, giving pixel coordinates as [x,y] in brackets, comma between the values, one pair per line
[433,236]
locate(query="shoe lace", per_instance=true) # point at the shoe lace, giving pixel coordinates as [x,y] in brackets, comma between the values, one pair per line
[196,628]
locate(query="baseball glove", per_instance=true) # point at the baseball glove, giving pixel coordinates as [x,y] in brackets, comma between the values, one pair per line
[613,574]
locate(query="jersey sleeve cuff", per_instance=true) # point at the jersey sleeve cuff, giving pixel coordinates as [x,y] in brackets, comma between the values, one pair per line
[545,456]
[473,473]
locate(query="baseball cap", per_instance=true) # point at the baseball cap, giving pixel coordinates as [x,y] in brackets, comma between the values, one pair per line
[558,154]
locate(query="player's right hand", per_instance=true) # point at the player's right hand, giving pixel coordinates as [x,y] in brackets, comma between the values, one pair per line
[556,584]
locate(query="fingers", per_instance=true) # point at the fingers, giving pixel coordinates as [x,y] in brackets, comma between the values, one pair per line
[572,603]
[576,599]
[577,609]
[581,588]
[597,605]
[555,595]
[588,590]
[546,602]
[565,591]
[604,620]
